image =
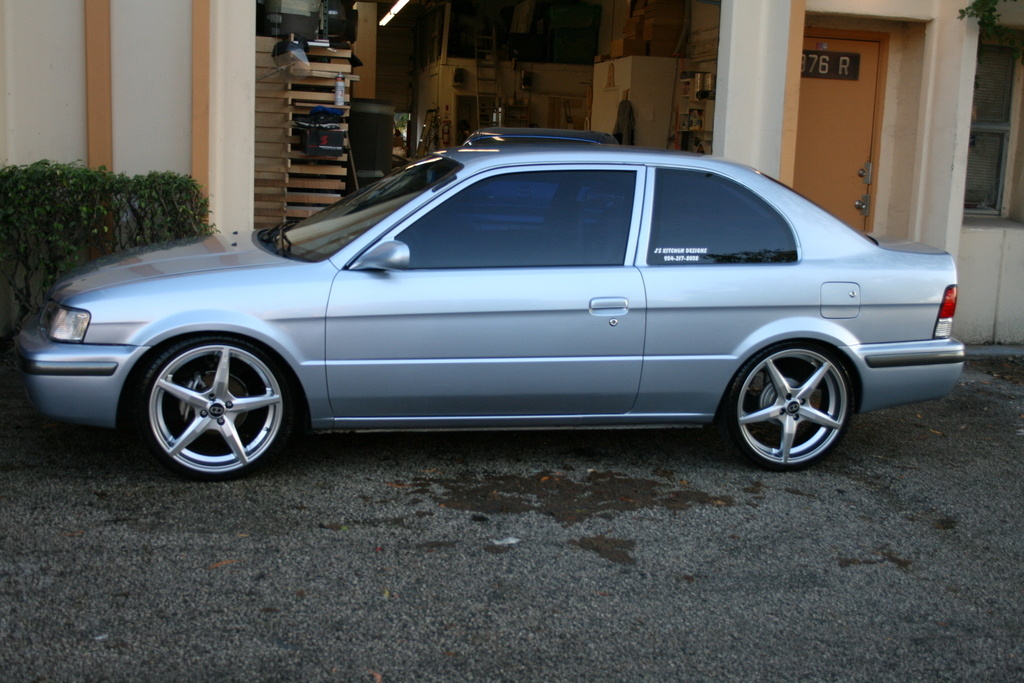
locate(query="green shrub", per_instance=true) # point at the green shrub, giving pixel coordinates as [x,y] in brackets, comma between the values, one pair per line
[55,216]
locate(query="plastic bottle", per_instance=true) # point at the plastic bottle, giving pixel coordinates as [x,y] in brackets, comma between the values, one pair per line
[339,90]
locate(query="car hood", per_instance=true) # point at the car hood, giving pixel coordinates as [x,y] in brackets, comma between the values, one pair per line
[193,255]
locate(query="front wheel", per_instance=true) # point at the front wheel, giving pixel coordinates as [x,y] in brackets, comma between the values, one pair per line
[214,408]
[788,407]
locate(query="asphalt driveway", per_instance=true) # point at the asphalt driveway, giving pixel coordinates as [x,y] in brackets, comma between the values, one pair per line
[614,555]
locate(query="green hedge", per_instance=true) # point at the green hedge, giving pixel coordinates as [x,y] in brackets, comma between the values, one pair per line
[55,216]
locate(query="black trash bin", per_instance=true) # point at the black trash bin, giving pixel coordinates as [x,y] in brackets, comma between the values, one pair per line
[371,127]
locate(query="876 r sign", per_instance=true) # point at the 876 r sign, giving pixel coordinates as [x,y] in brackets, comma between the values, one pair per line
[843,66]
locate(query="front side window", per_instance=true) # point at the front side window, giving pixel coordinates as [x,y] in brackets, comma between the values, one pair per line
[701,217]
[324,233]
[528,219]
[990,130]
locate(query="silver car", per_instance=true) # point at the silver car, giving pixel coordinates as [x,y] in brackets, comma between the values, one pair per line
[524,287]
[488,137]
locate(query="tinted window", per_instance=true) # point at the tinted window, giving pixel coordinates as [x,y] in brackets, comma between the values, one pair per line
[548,218]
[704,218]
[324,233]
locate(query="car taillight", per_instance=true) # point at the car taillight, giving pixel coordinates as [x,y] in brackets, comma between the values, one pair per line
[944,325]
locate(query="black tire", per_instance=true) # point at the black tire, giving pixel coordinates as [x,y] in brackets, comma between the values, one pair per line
[214,408]
[788,406]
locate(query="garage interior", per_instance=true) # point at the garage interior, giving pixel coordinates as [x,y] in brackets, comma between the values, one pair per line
[410,77]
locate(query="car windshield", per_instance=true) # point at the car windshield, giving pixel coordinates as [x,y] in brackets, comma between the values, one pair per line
[324,233]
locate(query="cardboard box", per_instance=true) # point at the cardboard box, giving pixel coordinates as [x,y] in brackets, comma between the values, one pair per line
[664,11]
[633,28]
[661,48]
[323,142]
[662,31]
[627,47]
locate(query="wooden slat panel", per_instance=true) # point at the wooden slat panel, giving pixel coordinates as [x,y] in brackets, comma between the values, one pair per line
[265,43]
[277,120]
[321,71]
[312,198]
[296,212]
[315,51]
[301,96]
[271,106]
[271,149]
[299,183]
[297,155]
[286,180]
[275,135]
[310,169]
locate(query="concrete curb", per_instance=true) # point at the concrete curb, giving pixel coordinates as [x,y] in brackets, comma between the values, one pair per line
[994,350]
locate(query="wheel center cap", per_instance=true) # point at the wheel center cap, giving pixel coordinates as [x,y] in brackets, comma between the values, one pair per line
[217,410]
[793,407]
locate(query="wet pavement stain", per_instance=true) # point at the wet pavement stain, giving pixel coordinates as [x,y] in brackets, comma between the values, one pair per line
[885,556]
[612,549]
[568,501]
[432,546]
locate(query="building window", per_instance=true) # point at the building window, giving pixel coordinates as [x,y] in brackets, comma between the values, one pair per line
[990,130]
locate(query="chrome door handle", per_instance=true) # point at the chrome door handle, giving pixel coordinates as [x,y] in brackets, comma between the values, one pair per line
[609,305]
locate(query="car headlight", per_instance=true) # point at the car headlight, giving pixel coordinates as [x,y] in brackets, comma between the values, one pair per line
[65,324]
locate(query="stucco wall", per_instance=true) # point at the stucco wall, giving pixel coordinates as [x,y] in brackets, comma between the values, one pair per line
[42,56]
[44,83]
[151,81]
[990,307]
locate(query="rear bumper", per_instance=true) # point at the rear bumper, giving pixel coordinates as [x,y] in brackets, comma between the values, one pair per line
[907,372]
[78,383]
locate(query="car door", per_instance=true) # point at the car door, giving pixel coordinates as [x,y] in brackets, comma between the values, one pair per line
[721,268]
[516,302]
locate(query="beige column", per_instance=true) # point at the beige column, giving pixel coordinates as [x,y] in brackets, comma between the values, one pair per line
[753,63]
[99,107]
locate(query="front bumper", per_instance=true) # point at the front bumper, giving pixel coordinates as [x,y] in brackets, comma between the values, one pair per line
[907,372]
[78,383]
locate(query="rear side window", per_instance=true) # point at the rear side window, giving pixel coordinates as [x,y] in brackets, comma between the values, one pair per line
[529,219]
[701,217]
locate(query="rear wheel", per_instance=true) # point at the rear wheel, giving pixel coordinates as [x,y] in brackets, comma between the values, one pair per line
[214,408]
[788,407]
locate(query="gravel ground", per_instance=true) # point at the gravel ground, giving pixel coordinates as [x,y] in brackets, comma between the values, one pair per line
[1009,367]
[610,555]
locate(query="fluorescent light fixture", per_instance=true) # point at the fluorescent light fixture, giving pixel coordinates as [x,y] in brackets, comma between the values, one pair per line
[395,9]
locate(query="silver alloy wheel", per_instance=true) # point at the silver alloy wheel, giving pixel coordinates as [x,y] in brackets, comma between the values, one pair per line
[215,408]
[792,407]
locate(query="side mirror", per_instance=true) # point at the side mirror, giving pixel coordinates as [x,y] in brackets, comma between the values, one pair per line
[390,255]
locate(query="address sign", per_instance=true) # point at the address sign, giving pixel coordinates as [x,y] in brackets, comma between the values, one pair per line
[843,66]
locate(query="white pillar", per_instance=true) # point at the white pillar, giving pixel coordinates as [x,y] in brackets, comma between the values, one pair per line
[5,97]
[751,86]
[943,133]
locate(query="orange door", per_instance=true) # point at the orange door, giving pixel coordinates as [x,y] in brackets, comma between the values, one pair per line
[839,110]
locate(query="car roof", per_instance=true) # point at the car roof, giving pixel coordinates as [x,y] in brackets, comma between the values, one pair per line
[495,135]
[479,157]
